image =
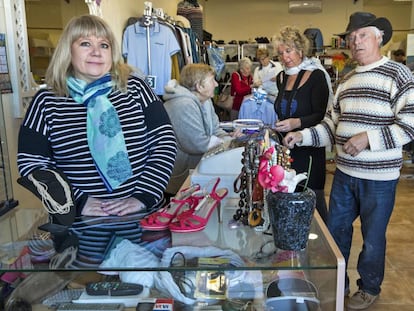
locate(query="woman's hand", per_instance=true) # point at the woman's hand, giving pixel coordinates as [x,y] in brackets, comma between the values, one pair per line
[237,133]
[257,84]
[93,207]
[287,125]
[99,207]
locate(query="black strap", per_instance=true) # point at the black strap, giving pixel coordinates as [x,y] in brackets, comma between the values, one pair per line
[294,89]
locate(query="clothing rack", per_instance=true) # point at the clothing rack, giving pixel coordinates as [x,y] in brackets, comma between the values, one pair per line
[148,21]
[180,48]
[150,15]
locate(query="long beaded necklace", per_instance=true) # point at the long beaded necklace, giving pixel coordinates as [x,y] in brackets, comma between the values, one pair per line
[49,203]
[251,193]
[246,183]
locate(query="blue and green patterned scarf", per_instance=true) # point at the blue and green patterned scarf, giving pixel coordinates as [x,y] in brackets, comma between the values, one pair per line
[105,137]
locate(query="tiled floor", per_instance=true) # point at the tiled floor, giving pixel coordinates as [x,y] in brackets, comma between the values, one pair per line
[398,286]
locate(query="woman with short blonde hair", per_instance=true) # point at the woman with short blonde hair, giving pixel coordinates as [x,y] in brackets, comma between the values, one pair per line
[94,114]
[301,102]
[293,38]
[196,73]
[195,122]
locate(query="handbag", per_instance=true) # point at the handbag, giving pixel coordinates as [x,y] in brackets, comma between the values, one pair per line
[225,99]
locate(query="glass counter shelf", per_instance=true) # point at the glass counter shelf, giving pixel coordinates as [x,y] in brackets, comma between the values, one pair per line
[259,265]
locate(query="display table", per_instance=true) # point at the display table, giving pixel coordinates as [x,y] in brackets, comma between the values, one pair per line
[321,263]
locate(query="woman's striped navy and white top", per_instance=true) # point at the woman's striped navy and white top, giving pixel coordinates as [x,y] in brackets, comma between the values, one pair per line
[53,135]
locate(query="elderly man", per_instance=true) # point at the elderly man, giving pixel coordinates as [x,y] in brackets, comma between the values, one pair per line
[371,118]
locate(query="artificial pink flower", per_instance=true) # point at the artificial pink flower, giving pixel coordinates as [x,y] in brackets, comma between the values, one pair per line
[270,175]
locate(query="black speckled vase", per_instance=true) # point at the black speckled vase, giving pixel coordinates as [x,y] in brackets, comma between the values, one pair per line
[291,216]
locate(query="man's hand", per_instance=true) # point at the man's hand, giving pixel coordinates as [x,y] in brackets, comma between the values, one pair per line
[292,138]
[356,144]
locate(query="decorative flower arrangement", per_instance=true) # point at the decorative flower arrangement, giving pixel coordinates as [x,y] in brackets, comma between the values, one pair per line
[274,171]
[338,61]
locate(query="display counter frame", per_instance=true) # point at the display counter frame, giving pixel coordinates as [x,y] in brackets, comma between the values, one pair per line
[321,263]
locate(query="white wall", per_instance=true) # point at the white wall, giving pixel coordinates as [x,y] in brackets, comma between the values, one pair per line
[244,19]
[116,13]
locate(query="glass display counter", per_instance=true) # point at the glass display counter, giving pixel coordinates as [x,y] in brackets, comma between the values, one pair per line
[253,269]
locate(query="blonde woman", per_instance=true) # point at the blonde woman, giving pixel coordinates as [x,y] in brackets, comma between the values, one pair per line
[301,102]
[99,125]
[264,75]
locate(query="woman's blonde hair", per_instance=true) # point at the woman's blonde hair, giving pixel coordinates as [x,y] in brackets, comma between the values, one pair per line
[192,74]
[60,66]
[262,52]
[293,38]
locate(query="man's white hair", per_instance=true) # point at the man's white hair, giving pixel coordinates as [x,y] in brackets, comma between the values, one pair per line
[378,33]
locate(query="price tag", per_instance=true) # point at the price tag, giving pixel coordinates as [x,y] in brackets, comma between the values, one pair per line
[152,81]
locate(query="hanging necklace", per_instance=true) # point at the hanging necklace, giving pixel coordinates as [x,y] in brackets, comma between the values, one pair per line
[48,202]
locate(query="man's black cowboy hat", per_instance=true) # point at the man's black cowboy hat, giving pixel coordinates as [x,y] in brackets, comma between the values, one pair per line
[364,19]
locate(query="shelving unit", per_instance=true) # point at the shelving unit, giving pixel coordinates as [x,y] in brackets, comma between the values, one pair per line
[7,202]
[249,50]
[41,51]
[231,56]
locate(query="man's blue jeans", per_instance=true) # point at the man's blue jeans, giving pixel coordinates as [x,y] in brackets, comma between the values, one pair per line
[373,201]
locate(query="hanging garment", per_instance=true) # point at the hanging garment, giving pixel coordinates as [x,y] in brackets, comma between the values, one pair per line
[194,13]
[163,45]
[252,108]
[316,39]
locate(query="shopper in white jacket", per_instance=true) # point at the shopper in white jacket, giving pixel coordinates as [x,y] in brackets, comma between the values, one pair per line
[264,75]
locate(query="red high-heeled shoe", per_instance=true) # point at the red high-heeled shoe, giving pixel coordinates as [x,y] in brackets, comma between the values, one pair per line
[196,219]
[160,219]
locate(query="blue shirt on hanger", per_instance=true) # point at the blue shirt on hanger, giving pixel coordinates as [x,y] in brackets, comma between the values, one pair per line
[263,110]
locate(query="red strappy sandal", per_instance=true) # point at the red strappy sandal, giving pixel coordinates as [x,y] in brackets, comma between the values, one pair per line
[161,219]
[196,219]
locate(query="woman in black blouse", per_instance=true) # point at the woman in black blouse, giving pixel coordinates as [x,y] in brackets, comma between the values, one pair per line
[301,102]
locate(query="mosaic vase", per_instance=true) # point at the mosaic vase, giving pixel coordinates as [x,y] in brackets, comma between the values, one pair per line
[291,215]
